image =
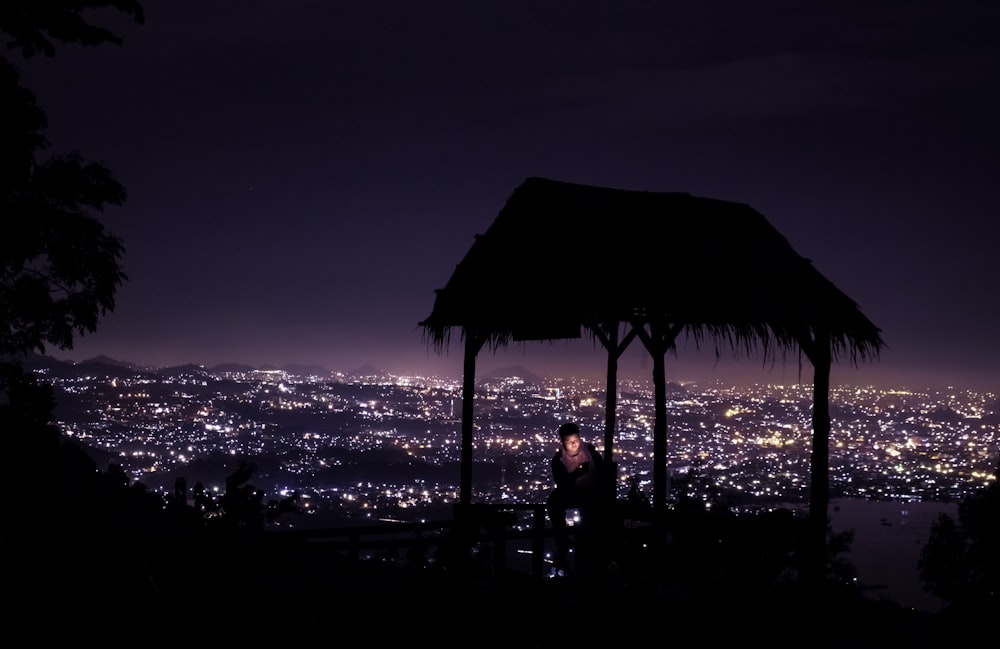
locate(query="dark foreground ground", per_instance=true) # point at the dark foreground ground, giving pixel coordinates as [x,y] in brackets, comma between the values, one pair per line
[262,592]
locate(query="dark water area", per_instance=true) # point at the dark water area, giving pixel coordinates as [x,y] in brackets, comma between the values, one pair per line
[888,538]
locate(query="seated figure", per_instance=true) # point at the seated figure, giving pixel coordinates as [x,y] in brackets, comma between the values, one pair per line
[577,470]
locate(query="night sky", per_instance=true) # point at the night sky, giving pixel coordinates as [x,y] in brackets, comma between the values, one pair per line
[303,174]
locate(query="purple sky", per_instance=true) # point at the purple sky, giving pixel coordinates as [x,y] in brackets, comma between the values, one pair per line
[303,174]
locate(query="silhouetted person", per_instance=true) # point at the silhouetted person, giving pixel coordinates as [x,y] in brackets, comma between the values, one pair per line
[577,470]
[637,501]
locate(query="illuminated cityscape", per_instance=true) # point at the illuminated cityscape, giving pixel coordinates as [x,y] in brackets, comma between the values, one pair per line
[373,446]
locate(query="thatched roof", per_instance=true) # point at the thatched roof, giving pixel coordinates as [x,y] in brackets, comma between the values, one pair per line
[562,258]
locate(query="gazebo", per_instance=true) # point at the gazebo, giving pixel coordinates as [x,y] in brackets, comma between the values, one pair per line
[564,260]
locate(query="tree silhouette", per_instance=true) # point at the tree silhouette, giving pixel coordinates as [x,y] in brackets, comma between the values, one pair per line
[33,26]
[59,267]
[59,272]
[240,508]
[960,563]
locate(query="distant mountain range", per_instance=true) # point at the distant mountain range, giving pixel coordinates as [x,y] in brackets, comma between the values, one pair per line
[107,366]
[513,372]
[112,367]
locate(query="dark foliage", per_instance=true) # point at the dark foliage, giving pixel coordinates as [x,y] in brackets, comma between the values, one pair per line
[35,26]
[59,268]
[961,561]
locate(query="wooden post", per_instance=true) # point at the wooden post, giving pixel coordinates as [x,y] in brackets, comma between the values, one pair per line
[538,541]
[473,343]
[607,334]
[819,480]
[658,340]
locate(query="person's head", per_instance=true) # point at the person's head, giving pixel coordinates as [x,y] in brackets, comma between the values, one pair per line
[569,437]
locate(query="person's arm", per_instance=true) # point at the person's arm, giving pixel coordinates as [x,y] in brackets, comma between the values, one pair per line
[596,461]
[561,475]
